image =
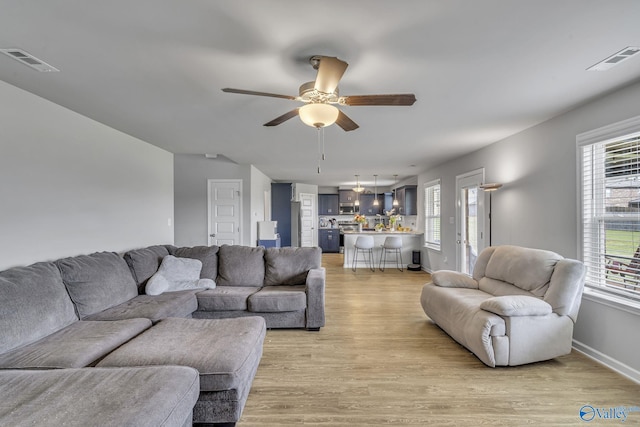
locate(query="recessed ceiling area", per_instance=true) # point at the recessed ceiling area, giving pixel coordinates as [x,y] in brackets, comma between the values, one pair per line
[480,70]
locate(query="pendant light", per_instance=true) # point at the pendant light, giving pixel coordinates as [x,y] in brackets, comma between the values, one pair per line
[395,199]
[376,202]
[358,190]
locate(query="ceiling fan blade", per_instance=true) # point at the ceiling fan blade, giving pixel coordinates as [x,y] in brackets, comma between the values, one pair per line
[346,123]
[330,72]
[252,92]
[283,118]
[399,99]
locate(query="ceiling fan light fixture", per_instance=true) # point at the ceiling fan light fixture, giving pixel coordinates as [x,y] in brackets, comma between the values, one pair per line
[318,115]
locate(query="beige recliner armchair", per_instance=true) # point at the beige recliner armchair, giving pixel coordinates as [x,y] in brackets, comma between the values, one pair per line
[518,307]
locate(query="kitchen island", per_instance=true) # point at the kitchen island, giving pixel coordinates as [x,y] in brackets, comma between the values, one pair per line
[411,241]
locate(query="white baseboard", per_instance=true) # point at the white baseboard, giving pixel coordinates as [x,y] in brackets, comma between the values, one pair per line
[608,361]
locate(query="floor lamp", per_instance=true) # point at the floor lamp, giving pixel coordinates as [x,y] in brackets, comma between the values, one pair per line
[490,188]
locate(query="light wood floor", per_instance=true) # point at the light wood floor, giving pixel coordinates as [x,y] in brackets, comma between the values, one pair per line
[379,360]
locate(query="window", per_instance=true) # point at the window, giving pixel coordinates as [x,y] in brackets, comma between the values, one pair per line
[609,161]
[432,214]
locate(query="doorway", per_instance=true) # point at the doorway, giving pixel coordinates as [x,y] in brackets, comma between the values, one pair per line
[308,218]
[469,219]
[225,211]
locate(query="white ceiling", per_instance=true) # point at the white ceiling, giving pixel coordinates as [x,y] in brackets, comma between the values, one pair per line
[481,70]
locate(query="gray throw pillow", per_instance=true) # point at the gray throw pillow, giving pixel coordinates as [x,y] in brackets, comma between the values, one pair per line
[177,274]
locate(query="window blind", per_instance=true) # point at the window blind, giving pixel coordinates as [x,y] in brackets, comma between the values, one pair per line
[611,214]
[432,214]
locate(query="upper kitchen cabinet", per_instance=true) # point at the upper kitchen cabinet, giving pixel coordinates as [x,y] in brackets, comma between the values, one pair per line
[407,200]
[366,204]
[328,204]
[347,196]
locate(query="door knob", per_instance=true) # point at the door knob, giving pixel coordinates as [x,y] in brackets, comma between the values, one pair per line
[212,235]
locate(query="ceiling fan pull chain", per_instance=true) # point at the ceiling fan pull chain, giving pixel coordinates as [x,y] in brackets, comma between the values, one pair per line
[319,150]
[323,158]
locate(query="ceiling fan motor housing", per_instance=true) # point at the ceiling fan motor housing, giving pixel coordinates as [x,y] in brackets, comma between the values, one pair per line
[308,93]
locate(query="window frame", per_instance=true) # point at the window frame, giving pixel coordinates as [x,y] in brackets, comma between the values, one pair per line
[596,288]
[429,219]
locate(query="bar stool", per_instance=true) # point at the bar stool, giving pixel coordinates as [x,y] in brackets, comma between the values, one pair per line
[364,244]
[391,244]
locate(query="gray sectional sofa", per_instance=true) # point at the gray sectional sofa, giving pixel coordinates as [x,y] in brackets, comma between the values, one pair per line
[80,321]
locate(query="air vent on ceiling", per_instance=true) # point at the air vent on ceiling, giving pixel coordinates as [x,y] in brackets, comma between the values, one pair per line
[615,59]
[28,59]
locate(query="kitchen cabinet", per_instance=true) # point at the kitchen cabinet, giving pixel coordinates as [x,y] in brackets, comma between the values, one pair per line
[328,204]
[329,239]
[366,204]
[347,196]
[407,200]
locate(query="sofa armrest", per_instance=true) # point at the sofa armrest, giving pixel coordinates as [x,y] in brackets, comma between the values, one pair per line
[516,305]
[453,279]
[314,288]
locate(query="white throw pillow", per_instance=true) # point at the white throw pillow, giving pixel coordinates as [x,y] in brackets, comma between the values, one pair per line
[177,274]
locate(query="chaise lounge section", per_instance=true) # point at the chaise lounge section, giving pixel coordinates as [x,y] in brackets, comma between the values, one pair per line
[159,396]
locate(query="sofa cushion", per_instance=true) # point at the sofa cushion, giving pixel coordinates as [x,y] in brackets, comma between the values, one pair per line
[289,266]
[276,299]
[144,262]
[224,351]
[177,274]
[528,269]
[152,307]
[22,320]
[208,255]
[500,288]
[150,396]
[78,345]
[96,282]
[225,298]
[240,266]
[516,305]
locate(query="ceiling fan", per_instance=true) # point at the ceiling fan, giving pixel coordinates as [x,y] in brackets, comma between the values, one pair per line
[320,96]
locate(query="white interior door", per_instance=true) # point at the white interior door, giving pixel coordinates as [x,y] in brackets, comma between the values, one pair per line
[225,212]
[469,219]
[308,217]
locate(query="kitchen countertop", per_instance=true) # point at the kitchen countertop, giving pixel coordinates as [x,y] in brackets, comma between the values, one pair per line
[408,233]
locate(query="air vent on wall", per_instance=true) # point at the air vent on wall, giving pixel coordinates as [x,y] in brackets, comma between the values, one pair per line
[615,59]
[28,59]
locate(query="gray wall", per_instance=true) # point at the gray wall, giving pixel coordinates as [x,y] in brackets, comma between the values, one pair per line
[71,185]
[191,173]
[537,207]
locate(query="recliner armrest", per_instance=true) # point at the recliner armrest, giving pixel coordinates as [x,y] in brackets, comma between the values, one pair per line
[453,279]
[516,305]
